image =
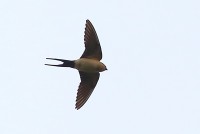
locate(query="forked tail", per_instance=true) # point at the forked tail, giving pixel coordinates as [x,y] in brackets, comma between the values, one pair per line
[66,63]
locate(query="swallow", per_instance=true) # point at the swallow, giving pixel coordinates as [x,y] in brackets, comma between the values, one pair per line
[88,65]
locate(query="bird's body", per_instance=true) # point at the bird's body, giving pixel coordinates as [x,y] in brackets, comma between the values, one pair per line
[88,65]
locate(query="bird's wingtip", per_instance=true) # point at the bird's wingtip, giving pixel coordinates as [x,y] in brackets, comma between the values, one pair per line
[77,108]
[87,20]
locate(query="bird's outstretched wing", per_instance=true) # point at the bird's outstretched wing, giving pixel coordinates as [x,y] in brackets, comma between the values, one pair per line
[92,44]
[86,87]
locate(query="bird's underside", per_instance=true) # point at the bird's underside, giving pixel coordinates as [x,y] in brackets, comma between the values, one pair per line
[87,62]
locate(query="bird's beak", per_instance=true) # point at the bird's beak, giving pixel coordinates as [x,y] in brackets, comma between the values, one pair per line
[59,65]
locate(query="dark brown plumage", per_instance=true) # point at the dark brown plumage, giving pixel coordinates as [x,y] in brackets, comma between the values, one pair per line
[92,44]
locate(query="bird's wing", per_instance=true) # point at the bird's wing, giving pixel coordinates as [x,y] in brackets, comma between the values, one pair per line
[86,87]
[92,44]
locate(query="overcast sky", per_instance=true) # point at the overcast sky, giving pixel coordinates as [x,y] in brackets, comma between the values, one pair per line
[150,47]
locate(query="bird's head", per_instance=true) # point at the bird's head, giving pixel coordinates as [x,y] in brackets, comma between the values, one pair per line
[102,68]
[106,68]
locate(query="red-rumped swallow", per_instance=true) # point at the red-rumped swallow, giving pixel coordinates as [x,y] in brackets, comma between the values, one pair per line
[88,65]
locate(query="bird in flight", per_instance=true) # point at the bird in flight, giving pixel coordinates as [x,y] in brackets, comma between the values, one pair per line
[88,65]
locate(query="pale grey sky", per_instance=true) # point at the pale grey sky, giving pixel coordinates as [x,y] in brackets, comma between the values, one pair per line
[151,49]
